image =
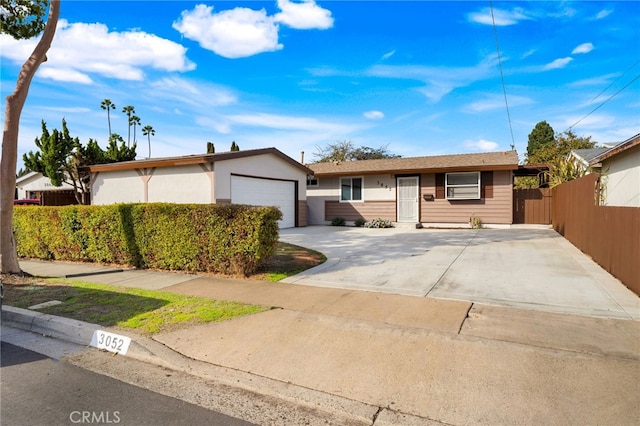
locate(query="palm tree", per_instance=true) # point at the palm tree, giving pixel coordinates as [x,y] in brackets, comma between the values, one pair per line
[134,121]
[129,110]
[108,105]
[148,132]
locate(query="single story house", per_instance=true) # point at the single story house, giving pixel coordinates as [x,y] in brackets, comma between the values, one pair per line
[582,157]
[619,168]
[434,190]
[34,185]
[260,177]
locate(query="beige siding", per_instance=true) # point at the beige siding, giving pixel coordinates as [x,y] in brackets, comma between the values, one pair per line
[367,210]
[302,213]
[496,210]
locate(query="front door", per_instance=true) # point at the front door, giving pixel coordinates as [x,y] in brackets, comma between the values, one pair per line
[408,199]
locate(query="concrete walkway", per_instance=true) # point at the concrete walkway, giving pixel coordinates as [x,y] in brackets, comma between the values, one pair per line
[407,360]
[526,268]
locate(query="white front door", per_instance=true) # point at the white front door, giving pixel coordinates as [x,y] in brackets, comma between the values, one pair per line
[408,199]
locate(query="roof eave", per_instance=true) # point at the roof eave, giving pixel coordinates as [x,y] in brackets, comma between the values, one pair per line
[418,170]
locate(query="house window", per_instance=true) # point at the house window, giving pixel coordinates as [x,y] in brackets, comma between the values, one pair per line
[312,182]
[462,186]
[351,189]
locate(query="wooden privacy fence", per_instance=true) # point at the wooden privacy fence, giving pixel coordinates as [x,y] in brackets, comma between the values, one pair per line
[532,206]
[610,235]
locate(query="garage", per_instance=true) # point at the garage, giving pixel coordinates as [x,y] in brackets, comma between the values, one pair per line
[266,192]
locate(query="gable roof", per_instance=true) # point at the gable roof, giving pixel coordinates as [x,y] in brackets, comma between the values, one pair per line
[621,147]
[588,154]
[195,159]
[504,160]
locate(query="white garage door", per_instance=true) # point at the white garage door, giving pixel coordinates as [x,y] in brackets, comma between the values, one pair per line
[265,192]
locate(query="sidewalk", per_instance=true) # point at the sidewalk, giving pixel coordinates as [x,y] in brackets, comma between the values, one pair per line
[400,359]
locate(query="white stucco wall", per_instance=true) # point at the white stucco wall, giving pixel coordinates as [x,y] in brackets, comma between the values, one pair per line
[268,166]
[622,178]
[117,187]
[182,184]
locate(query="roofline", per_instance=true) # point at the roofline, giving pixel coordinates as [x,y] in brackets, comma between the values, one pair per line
[194,159]
[419,170]
[26,176]
[623,146]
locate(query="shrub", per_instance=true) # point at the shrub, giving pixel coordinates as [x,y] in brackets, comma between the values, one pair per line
[228,239]
[338,221]
[378,223]
[360,222]
[475,222]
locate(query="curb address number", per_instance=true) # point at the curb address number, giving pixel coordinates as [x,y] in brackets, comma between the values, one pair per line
[110,342]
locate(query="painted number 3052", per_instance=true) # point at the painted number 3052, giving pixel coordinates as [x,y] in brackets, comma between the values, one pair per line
[110,341]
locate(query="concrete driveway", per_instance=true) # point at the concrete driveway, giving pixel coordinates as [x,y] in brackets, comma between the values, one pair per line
[527,268]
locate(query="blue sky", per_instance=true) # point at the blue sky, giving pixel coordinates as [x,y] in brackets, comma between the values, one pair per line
[421,77]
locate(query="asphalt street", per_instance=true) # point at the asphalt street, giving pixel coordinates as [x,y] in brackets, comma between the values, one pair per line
[37,390]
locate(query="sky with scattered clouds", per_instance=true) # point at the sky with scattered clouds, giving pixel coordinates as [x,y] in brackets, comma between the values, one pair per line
[419,77]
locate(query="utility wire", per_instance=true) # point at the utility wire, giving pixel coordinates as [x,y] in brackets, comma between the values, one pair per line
[615,81]
[602,104]
[504,89]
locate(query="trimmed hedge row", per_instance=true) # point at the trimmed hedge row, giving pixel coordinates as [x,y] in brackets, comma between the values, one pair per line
[228,239]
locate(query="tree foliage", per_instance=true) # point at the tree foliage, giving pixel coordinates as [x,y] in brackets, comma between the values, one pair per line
[560,147]
[211,149]
[562,170]
[62,158]
[540,137]
[234,147]
[22,19]
[347,151]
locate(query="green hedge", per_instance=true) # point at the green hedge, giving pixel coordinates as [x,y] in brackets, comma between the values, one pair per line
[228,239]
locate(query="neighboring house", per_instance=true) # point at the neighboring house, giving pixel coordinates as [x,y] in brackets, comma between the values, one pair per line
[446,189]
[582,157]
[34,185]
[261,177]
[619,168]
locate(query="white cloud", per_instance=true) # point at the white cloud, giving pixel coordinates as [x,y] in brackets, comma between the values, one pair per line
[501,17]
[373,115]
[492,102]
[558,63]
[234,33]
[288,122]
[81,49]
[189,92]
[304,16]
[388,54]
[583,48]
[439,81]
[528,53]
[603,14]
[481,145]
[602,80]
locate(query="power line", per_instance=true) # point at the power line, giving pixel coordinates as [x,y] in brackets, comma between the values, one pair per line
[504,89]
[615,81]
[602,104]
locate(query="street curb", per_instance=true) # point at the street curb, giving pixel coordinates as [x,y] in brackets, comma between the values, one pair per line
[344,410]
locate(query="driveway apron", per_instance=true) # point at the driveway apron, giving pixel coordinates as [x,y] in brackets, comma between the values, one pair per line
[526,268]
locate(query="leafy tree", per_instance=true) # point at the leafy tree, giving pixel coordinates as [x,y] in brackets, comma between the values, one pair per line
[347,151]
[210,148]
[562,170]
[234,147]
[118,151]
[108,106]
[21,19]
[540,137]
[129,110]
[58,159]
[63,158]
[560,147]
[148,132]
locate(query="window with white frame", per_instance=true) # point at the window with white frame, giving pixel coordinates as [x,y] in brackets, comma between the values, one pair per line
[351,189]
[463,186]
